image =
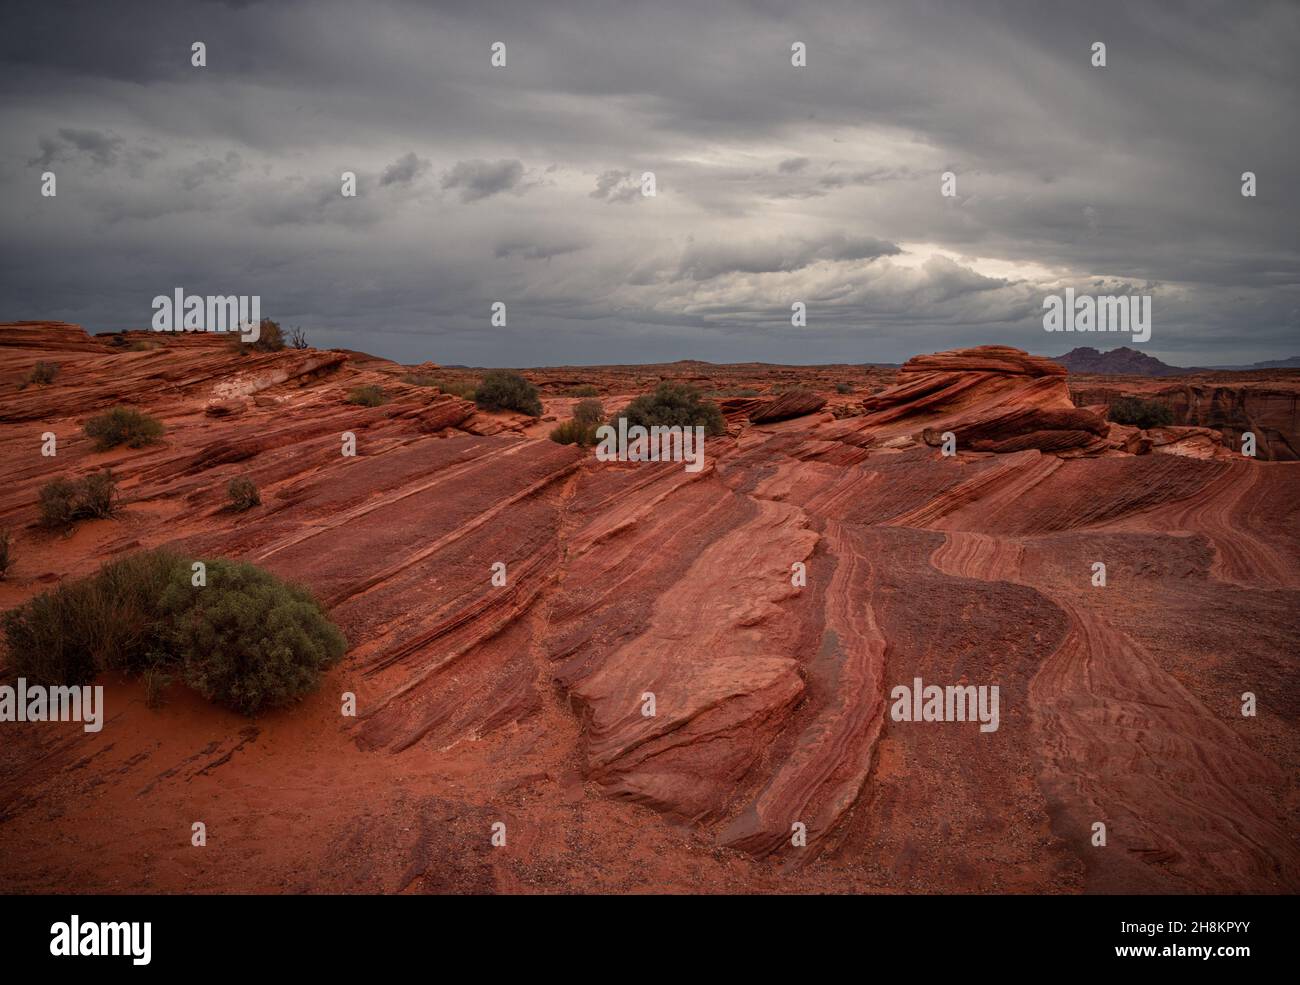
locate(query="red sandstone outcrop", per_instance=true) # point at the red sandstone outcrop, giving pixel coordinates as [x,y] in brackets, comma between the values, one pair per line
[766,605]
[1264,403]
[991,398]
[791,403]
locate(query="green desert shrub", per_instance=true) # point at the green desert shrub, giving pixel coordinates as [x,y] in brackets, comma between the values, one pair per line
[248,640]
[581,429]
[843,387]
[97,495]
[504,390]
[123,426]
[108,621]
[243,494]
[369,395]
[244,638]
[589,412]
[270,337]
[43,373]
[6,553]
[57,502]
[64,501]
[582,391]
[674,405]
[569,432]
[1141,413]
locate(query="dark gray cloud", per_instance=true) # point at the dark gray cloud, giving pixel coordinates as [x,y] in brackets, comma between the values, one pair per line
[101,148]
[481,179]
[404,170]
[774,183]
[529,249]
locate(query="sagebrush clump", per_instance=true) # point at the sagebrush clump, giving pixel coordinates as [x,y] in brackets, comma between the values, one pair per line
[505,390]
[123,426]
[107,621]
[674,405]
[64,501]
[270,337]
[581,429]
[1141,413]
[242,638]
[243,494]
[369,395]
[42,374]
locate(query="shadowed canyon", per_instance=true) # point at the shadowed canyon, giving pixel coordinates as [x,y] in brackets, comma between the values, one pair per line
[830,550]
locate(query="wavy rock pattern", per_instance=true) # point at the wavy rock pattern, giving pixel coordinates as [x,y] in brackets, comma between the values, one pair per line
[769,603]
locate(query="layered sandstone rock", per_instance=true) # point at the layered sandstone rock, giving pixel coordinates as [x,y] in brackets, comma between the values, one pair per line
[991,398]
[680,669]
[791,403]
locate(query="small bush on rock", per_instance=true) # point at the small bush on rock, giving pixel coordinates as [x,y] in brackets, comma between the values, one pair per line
[674,405]
[43,374]
[123,426]
[243,494]
[64,501]
[270,337]
[369,395]
[504,390]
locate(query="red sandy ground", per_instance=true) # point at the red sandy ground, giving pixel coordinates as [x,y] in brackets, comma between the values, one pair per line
[522,704]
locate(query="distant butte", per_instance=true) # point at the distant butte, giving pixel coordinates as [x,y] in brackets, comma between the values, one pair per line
[524,704]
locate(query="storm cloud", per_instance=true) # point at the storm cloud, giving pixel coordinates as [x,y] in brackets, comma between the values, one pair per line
[774,183]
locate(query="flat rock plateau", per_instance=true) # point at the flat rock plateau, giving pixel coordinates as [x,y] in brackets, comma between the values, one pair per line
[522,704]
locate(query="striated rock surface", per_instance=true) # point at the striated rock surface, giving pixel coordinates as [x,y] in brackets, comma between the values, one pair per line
[791,403]
[681,667]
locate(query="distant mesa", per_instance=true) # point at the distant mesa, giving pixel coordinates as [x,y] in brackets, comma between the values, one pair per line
[1129,362]
[1117,362]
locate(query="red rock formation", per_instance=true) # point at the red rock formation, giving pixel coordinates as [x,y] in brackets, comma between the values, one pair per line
[791,403]
[769,603]
[992,398]
[1265,403]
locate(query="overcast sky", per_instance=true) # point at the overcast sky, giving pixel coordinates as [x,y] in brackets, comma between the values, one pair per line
[775,183]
